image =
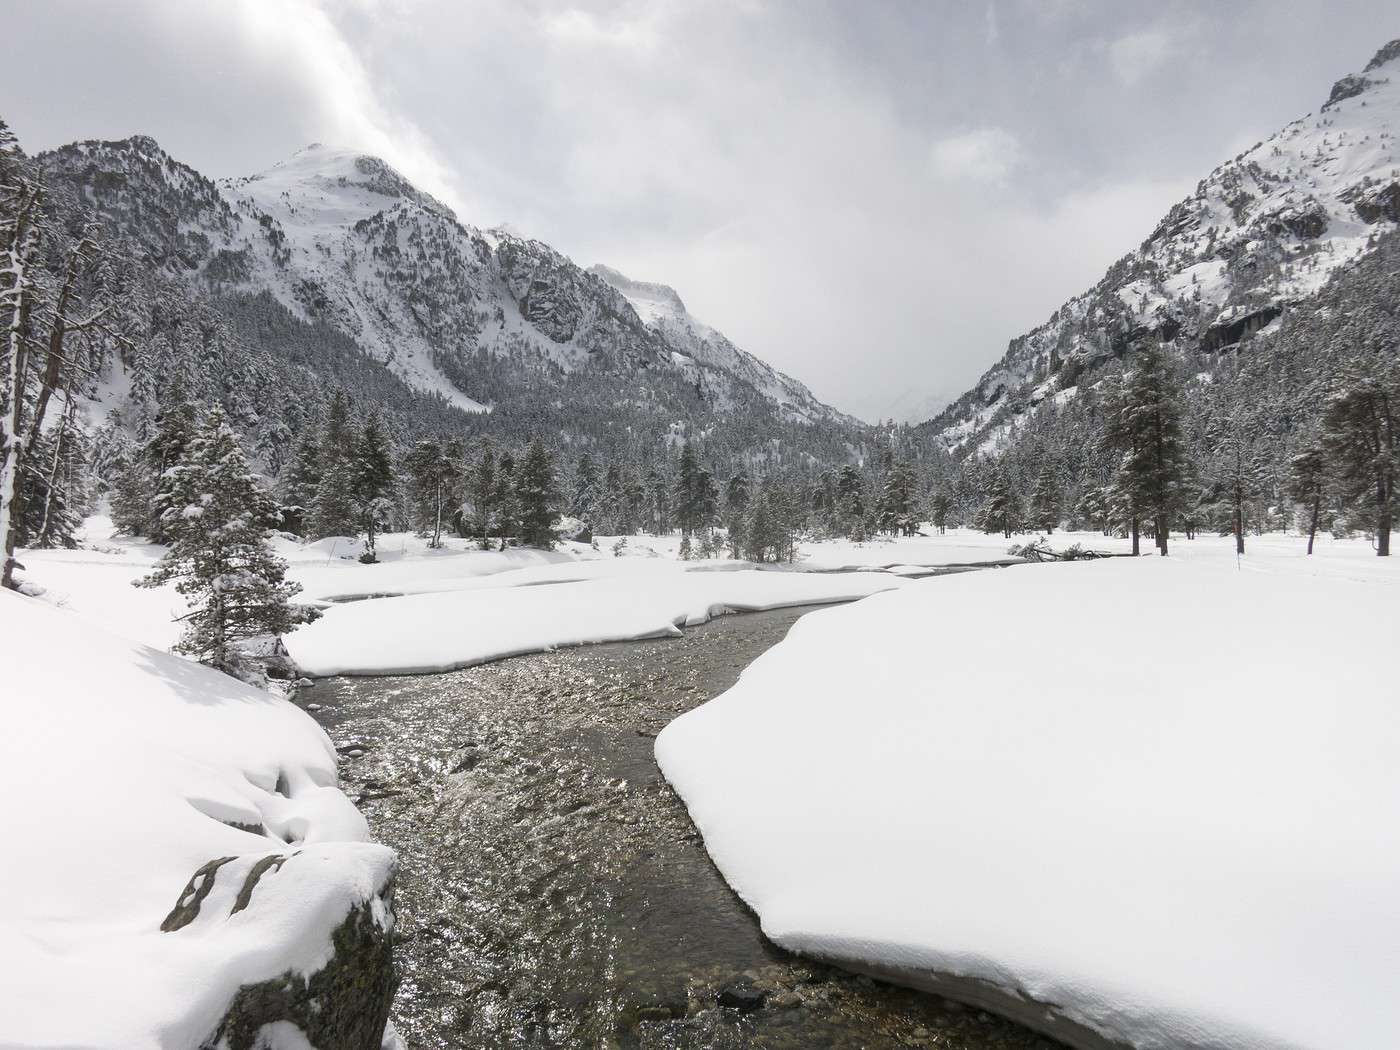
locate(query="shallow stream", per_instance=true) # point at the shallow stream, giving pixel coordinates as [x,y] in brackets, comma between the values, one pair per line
[553,891]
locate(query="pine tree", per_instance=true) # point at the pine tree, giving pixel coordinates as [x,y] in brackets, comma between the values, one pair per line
[1001,509]
[333,510]
[301,479]
[1144,425]
[506,506]
[736,502]
[434,478]
[535,493]
[175,427]
[587,491]
[1307,484]
[372,485]
[481,492]
[894,511]
[1046,497]
[219,557]
[1359,425]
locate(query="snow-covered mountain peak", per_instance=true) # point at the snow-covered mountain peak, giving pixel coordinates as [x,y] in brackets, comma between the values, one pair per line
[1263,232]
[1386,56]
[342,184]
[649,299]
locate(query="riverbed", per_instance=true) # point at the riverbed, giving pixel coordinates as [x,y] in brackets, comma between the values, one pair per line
[553,891]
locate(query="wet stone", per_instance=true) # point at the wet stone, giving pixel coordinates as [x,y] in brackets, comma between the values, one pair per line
[552,890]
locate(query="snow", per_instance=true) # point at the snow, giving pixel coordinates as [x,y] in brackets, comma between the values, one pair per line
[626,600]
[119,768]
[1156,794]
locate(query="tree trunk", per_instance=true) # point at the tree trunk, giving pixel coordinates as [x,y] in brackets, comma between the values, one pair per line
[1136,550]
[1312,525]
[1383,521]
[1239,522]
[1160,527]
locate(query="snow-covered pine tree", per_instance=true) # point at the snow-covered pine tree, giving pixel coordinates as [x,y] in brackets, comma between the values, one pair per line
[175,426]
[1144,425]
[1307,485]
[481,492]
[372,485]
[894,509]
[333,509]
[434,473]
[301,479]
[736,502]
[215,517]
[505,506]
[1359,425]
[536,497]
[1047,496]
[1001,509]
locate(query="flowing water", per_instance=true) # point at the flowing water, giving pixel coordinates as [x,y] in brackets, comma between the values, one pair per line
[553,891]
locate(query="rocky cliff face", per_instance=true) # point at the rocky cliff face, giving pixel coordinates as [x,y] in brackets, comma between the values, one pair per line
[1261,234]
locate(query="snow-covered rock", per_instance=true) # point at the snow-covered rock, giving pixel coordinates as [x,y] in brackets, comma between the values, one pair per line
[1173,830]
[180,865]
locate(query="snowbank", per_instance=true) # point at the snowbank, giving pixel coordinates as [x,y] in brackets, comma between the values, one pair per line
[1153,801]
[123,771]
[608,601]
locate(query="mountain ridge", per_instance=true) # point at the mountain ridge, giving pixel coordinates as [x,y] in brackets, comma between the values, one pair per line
[1262,233]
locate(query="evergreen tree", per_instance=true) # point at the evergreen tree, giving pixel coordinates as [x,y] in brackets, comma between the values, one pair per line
[301,479]
[587,497]
[535,495]
[850,495]
[736,502]
[895,506]
[1001,509]
[481,492]
[940,505]
[434,476]
[215,514]
[175,427]
[503,501]
[1145,426]
[1359,425]
[333,509]
[372,482]
[1307,484]
[1046,497]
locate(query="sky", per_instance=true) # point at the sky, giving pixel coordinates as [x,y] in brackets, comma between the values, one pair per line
[872,195]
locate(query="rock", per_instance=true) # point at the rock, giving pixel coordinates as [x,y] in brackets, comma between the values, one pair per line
[305,683]
[1380,204]
[741,995]
[345,1004]
[785,1001]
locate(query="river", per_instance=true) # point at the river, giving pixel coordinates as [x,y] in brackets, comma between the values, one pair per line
[553,891]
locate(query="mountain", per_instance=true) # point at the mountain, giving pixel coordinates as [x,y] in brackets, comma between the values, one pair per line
[481,321]
[705,354]
[1260,237]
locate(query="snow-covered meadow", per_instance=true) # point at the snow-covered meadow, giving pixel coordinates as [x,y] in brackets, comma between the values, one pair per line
[420,609]
[1152,800]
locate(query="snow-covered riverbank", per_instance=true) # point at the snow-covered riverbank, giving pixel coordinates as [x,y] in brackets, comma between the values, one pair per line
[124,772]
[1148,801]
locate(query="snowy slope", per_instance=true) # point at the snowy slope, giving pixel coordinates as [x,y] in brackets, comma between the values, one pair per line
[709,355]
[122,773]
[1262,232]
[1178,840]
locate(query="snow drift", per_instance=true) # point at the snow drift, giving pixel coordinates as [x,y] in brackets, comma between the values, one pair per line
[122,772]
[1170,823]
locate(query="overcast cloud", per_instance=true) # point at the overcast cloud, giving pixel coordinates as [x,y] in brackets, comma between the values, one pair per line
[873,197]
